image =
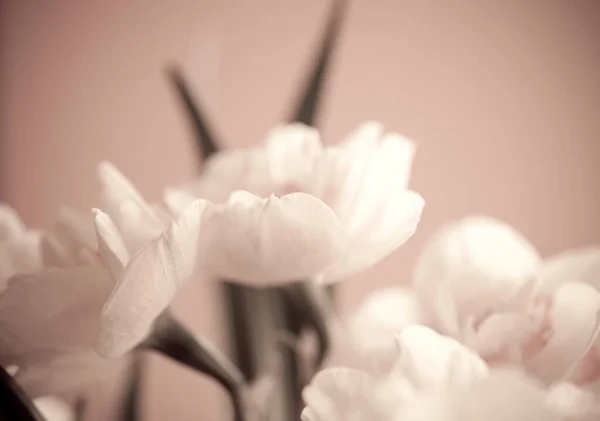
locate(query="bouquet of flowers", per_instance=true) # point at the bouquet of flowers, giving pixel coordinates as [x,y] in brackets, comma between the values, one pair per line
[485,330]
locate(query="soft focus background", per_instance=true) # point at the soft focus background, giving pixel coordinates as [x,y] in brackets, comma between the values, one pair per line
[502,97]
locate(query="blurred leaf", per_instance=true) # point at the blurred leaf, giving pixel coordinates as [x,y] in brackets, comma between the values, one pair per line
[205,138]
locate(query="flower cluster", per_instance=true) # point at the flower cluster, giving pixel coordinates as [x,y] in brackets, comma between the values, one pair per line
[78,299]
[497,332]
[486,329]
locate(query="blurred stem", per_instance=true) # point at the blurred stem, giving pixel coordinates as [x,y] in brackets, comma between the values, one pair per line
[131,402]
[15,405]
[80,408]
[257,318]
[312,307]
[174,340]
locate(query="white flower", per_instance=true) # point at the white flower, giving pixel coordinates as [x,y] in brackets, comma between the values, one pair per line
[429,360]
[48,326]
[481,282]
[146,283]
[273,240]
[364,181]
[92,297]
[19,246]
[345,394]
[573,403]
[380,317]
[581,264]
[475,266]
[503,395]
[436,379]
[53,409]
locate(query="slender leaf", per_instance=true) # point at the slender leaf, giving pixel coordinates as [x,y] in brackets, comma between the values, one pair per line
[306,111]
[206,140]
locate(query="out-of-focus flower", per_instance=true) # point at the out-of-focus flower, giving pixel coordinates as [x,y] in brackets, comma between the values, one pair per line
[91,296]
[580,264]
[48,326]
[429,360]
[19,246]
[436,379]
[346,394]
[503,395]
[363,180]
[483,283]
[472,268]
[573,403]
[380,317]
[53,409]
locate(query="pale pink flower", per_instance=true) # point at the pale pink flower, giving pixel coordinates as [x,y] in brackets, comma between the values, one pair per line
[363,180]
[380,317]
[481,282]
[346,394]
[435,379]
[470,269]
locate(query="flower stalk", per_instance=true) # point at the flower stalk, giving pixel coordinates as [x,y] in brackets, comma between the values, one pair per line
[174,340]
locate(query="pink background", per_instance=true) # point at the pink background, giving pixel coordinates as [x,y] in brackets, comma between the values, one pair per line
[502,97]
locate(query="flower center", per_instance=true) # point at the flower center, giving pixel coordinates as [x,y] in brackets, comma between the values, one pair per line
[540,326]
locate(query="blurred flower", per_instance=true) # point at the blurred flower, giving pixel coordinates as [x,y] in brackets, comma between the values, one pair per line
[90,295]
[48,326]
[380,317]
[580,264]
[573,403]
[346,394]
[363,180]
[19,246]
[470,269]
[53,409]
[435,378]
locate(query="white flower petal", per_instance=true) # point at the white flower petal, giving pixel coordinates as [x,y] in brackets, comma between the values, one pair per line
[135,218]
[431,360]
[138,225]
[117,188]
[111,245]
[149,283]
[291,150]
[380,317]
[573,403]
[482,262]
[178,200]
[339,394]
[393,223]
[51,313]
[274,240]
[573,317]
[581,265]
[504,395]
